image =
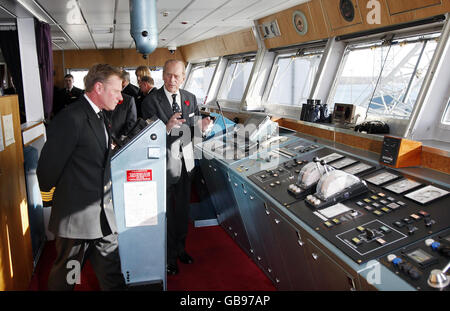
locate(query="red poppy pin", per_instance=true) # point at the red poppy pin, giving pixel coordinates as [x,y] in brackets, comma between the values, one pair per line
[187,103]
[120,102]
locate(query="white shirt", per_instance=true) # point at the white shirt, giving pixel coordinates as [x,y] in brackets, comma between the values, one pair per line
[170,99]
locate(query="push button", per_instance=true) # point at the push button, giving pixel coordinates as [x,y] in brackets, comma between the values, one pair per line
[415,217]
[381,241]
[385,229]
[399,224]
[328,224]
[360,229]
[356,241]
[336,221]
[378,213]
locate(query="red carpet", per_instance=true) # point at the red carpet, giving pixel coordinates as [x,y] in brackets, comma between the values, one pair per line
[219,264]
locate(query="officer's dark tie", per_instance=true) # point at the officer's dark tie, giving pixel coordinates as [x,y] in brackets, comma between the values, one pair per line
[106,124]
[175,107]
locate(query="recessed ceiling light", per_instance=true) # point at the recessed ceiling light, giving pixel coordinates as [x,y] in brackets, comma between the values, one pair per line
[165,13]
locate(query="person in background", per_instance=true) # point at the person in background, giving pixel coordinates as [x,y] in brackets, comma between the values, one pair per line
[146,87]
[141,71]
[74,174]
[67,95]
[176,108]
[128,88]
[122,118]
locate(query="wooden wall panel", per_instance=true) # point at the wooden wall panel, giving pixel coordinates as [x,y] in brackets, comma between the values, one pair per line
[419,13]
[237,42]
[317,27]
[334,19]
[16,259]
[434,159]
[325,21]
[359,142]
[396,7]
[118,57]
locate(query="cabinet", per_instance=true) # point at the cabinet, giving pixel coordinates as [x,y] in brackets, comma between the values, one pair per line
[16,259]
[327,273]
[294,252]
[221,193]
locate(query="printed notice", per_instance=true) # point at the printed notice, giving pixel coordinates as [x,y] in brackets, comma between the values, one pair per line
[2,147]
[141,204]
[8,127]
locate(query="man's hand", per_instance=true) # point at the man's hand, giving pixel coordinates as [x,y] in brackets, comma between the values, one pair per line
[174,122]
[206,123]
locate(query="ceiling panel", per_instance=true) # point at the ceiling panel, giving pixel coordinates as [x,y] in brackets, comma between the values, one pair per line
[98,11]
[205,19]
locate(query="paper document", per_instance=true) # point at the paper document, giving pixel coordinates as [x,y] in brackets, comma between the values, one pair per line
[141,204]
[8,127]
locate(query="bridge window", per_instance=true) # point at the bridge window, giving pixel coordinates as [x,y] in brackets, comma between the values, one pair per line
[292,77]
[199,80]
[235,78]
[384,77]
[78,77]
[446,116]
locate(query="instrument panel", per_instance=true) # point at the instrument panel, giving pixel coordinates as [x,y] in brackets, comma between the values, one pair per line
[391,211]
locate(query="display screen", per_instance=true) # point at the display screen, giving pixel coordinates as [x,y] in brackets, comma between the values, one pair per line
[403,186]
[343,163]
[419,256]
[381,178]
[427,194]
[331,157]
[358,168]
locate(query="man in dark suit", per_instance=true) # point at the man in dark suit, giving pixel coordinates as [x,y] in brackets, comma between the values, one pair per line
[179,111]
[122,118]
[146,87]
[128,88]
[67,95]
[74,173]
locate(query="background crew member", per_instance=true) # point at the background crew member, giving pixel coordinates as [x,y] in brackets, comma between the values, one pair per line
[174,107]
[122,118]
[128,88]
[146,88]
[141,71]
[67,95]
[74,170]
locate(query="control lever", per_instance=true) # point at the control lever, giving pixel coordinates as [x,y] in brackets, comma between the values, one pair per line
[438,278]
[370,234]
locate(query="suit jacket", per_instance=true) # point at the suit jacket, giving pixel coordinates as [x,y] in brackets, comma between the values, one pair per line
[131,90]
[158,105]
[140,99]
[64,98]
[76,161]
[122,118]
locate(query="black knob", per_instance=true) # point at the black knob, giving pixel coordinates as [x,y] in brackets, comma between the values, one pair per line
[145,33]
[316,159]
[370,234]
[153,136]
[323,162]
[414,274]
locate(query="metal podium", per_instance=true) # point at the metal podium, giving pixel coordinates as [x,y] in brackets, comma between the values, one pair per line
[138,173]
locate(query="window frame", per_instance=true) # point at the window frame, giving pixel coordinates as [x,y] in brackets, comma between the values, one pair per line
[235,104]
[376,42]
[284,54]
[195,66]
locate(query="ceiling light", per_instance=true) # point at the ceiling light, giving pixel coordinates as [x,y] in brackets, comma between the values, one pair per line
[101,30]
[59,40]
